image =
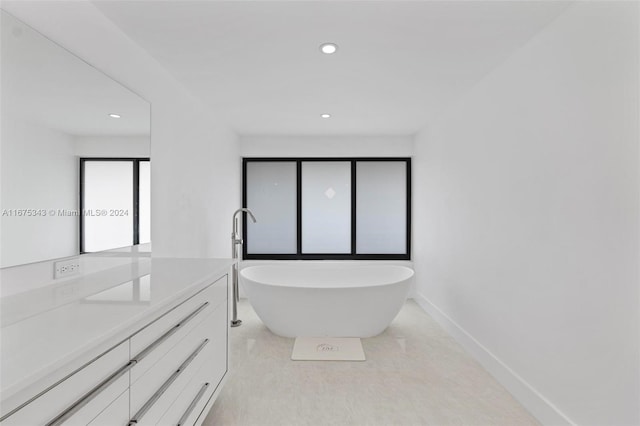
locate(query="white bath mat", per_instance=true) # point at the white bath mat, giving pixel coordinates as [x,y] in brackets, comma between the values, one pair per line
[328,349]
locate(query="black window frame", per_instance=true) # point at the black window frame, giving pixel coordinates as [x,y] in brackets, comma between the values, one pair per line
[327,256]
[136,195]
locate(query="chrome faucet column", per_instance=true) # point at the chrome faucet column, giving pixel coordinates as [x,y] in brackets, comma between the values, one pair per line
[236,243]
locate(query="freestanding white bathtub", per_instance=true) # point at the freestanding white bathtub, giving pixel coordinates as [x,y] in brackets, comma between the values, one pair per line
[318,299]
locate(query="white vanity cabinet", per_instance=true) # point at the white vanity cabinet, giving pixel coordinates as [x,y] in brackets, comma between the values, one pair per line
[166,369]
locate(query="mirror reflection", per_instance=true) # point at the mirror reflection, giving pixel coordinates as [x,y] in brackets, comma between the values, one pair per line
[134,292]
[74,153]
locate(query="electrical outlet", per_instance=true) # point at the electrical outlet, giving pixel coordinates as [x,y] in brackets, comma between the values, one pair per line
[66,268]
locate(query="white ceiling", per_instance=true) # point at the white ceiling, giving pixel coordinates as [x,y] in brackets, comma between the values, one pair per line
[258,65]
[46,84]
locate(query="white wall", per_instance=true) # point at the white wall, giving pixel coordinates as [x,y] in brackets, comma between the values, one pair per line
[326,146]
[113,146]
[526,219]
[194,158]
[39,172]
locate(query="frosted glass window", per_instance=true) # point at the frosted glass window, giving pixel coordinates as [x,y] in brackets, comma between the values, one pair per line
[144,203]
[326,207]
[271,194]
[108,205]
[381,207]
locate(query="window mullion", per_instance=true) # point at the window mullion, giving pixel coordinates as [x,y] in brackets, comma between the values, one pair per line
[353,207]
[299,206]
[136,202]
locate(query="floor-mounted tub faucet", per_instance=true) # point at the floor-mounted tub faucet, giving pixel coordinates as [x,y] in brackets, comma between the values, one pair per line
[236,240]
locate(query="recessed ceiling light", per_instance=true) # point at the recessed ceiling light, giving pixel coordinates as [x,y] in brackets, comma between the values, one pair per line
[115,115]
[328,48]
[326,116]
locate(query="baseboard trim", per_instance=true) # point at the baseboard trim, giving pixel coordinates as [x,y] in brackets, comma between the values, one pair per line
[527,395]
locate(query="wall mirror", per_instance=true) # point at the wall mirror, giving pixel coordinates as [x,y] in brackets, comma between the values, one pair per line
[74,154]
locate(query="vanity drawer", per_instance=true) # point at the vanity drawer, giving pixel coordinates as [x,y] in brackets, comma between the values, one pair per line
[188,407]
[117,413]
[162,334]
[164,381]
[172,344]
[60,399]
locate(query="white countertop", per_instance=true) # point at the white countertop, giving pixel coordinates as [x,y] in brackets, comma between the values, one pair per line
[48,332]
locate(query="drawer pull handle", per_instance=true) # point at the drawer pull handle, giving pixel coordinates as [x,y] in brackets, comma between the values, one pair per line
[154,398]
[146,351]
[193,404]
[89,396]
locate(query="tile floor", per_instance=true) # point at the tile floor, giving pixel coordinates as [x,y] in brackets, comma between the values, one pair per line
[415,374]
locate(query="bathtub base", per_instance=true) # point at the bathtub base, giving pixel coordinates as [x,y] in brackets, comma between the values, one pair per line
[337,309]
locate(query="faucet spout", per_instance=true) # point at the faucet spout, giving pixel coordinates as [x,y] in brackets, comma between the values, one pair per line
[243,209]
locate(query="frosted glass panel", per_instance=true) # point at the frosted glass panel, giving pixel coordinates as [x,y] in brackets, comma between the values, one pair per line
[381,207]
[144,203]
[272,197]
[108,205]
[326,207]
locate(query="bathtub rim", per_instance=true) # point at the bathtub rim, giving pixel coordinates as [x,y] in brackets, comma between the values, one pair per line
[342,285]
[258,262]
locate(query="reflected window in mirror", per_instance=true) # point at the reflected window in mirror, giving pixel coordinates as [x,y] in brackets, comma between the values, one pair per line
[114,201]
